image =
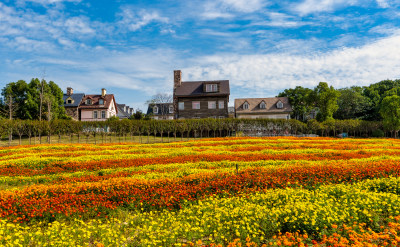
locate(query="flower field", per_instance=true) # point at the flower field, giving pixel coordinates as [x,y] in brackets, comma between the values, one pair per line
[279,191]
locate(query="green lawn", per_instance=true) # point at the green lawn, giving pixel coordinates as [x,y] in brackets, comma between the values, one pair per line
[4,142]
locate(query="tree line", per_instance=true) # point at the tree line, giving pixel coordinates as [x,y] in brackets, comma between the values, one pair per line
[126,129]
[36,100]
[365,103]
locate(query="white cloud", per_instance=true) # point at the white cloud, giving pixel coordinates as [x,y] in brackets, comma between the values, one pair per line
[134,21]
[383,3]
[78,25]
[281,20]
[227,8]
[314,6]
[270,73]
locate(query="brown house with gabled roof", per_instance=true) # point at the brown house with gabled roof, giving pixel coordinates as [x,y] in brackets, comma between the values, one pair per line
[98,107]
[277,108]
[200,99]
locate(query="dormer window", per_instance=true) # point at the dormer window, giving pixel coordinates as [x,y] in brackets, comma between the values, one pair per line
[263,105]
[210,88]
[101,101]
[155,110]
[171,109]
[88,102]
[279,105]
[245,106]
[69,101]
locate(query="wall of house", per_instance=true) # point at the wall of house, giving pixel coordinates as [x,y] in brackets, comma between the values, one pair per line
[72,112]
[87,114]
[270,116]
[203,112]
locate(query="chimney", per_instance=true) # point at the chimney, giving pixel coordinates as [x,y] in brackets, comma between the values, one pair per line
[103,92]
[70,91]
[177,78]
[177,83]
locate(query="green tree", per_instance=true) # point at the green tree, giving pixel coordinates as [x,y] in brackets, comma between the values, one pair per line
[300,99]
[325,98]
[390,112]
[352,103]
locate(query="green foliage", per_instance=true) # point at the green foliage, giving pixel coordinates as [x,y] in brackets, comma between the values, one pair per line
[301,101]
[326,101]
[390,112]
[26,100]
[352,103]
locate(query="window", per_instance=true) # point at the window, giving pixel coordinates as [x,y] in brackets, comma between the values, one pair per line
[88,101]
[196,105]
[95,114]
[101,101]
[279,105]
[103,114]
[155,110]
[221,104]
[245,106]
[171,109]
[181,105]
[212,105]
[262,105]
[69,101]
[211,88]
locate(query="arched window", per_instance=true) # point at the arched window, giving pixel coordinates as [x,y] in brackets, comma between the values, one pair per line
[263,105]
[101,101]
[279,105]
[155,110]
[245,106]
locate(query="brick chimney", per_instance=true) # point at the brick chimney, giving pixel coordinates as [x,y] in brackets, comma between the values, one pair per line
[103,92]
[177,78]
[70,91]
[177,83]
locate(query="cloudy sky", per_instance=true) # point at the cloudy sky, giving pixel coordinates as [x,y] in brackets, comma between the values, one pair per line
[131,47]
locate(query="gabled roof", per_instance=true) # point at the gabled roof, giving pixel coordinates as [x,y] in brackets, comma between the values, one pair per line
[108,98]
[195,88]
[254,105]
[163,108]
[76,97]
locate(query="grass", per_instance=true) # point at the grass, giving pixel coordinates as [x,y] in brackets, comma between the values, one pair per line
[4,141]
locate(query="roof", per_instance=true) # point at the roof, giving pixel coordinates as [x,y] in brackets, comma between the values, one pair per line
[164,108]
[122,113]
[195,88]
[108,98]
[254,105]
[76,97]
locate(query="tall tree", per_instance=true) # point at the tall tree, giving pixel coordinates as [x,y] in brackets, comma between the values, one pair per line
[299,98]
[390,112]
[325,98]
[352,104]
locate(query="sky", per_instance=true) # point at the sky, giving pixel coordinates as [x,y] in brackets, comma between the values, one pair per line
[131,47]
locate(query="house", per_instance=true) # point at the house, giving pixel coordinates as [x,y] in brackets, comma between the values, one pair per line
[124,111]
[200,99]
[161,111]
[72,102]
[98,107]
[277,108]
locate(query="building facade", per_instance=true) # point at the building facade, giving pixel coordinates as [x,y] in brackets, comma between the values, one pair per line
[276,108]
[124,111]
[200,99]
[161,111]
[72,102]
[98,107]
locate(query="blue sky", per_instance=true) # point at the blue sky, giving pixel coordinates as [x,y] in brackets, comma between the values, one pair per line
[262,46]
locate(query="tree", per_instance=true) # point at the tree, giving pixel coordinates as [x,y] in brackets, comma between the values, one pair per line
[352,104]
[390,112]
[325,99]
[300,99]
[138,115]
